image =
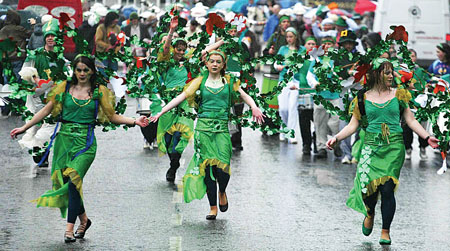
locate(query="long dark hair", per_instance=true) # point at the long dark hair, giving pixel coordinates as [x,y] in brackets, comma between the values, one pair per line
[110,17]
[374,75]
[90,63]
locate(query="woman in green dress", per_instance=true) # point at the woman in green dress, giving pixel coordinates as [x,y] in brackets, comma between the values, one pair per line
[383,151]
[174,130]
[212,94]
[78,105]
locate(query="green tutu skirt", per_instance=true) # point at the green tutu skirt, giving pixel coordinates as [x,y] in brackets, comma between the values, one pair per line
[171,122]
[70,140]
[212,147]
[380,159]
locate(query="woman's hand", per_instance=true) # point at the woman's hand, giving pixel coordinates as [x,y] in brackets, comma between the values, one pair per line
[272,50]
[257,115]
[16,131]
[174,23]
[280,67]
[153,119]
[331,143]
[433,142]
[142,121]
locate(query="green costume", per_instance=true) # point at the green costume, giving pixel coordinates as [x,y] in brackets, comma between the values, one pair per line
[212,143]
[71,157]
[170,122]
[382,151]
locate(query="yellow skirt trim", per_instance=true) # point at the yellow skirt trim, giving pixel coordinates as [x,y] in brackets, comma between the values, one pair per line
[186,132]
[373,185]
[75,178]
[214,162]
[53,201]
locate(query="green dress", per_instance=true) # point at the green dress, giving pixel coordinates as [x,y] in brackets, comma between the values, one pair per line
[170,122]
[212,142]
[71,157]
[382,154]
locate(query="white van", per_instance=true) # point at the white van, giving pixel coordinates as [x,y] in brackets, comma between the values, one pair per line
[426,21]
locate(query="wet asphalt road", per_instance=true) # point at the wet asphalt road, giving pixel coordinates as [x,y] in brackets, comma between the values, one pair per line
[279,200]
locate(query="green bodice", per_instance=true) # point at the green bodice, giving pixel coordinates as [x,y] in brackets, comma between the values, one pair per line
[80,112]
[214,102]
[175,77]
[387,113]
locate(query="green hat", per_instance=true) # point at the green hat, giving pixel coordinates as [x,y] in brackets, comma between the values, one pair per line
[341,22]
[328,40]
[284,17]
[292,29]
[310,38]
[347,36]
[322,11]
[51,27]
[134,15]
[162,35]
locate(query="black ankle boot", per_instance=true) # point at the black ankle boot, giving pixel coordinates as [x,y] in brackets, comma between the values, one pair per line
[174,165]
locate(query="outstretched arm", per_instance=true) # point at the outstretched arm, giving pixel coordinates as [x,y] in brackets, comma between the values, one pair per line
[38,117]
[213,46]
[173,27]
[257,115]
[176,101]
[344,133]
[417,128]
[142,121]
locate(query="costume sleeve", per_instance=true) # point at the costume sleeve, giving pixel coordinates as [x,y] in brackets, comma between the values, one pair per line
[191,90]
[164,57]
[107,101]
[56,96]
[354,109]
[404,96]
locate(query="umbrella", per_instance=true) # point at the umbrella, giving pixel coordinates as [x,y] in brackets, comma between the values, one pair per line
[363,6]
[287,3]
[224,5]
[340,12]
[236,8]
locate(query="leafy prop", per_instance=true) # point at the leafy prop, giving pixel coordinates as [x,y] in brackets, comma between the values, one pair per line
[433,104]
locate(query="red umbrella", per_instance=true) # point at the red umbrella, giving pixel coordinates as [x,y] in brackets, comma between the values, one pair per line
[340,12]
[363,6]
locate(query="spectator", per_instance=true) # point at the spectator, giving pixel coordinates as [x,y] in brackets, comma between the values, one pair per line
[288,98]
[272,23]
[136,28]
[244,10]
[277,39]
[324,122]
[370,40]
[441,66]
[41,59]
[102,39]
[298,22]
[19,35]
[87,30]
[152,23]
[421,79]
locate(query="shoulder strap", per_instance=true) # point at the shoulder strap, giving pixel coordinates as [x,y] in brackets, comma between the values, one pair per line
[361,106]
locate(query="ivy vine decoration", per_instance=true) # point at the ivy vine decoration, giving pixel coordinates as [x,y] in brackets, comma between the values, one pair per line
[434,101]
